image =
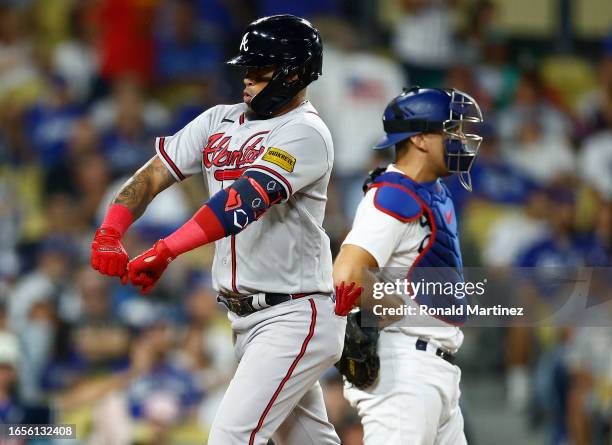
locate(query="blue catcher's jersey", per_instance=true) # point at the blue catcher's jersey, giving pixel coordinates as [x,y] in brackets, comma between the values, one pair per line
[438,264]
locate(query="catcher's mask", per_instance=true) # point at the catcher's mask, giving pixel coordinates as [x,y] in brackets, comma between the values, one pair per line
[289,44]
[452,112]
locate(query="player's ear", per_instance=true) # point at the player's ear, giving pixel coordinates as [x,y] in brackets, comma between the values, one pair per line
[418,140]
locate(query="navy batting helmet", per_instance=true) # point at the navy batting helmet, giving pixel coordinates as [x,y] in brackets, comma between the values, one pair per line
[449,111]
[291,45]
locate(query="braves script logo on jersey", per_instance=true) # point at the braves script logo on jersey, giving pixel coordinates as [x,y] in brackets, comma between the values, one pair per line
[231,163]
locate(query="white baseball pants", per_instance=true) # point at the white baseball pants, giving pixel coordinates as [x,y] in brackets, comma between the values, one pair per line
[415,399]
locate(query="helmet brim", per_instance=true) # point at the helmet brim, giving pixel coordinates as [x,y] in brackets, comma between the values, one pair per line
[251,60]
[391,139]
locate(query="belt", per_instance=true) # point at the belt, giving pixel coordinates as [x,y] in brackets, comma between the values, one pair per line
[421,345]
[249,304]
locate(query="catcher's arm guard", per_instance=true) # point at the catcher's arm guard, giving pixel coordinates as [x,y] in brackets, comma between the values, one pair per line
[359,362]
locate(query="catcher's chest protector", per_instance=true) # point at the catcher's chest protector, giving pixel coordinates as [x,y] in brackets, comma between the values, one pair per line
[439,261]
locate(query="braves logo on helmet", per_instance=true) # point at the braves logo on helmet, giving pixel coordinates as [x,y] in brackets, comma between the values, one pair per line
[244,44]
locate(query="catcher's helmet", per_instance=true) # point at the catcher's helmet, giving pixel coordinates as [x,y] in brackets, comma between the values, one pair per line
[449,111]
[290,44]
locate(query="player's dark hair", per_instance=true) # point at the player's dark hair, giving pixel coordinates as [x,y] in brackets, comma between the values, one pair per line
[401,148]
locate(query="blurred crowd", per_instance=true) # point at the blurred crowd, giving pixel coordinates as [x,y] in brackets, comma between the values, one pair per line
[86,85]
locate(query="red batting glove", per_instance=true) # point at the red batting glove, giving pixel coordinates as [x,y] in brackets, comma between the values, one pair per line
[148,267]
[108,255]
[345,298]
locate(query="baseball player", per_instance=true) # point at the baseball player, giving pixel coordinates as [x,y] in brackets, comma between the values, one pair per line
[268,162]
[406,389]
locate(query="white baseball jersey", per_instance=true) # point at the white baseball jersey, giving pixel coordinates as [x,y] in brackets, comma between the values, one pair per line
[286,250]
[394,243]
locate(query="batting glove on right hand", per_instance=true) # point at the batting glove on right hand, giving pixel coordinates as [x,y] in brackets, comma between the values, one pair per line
[346,297]
[108,255]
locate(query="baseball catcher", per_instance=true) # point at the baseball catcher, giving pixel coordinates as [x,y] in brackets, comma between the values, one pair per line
[406,221]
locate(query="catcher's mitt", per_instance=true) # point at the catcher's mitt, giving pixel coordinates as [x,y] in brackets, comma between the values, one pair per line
[359,362]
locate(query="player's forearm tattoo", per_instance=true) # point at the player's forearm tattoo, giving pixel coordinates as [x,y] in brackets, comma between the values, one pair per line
[143,186]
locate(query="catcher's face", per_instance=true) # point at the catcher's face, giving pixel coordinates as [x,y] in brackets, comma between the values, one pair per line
[433,145]
[255,80]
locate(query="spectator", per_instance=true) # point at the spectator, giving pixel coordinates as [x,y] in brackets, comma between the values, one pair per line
[50,121]
[95,319]
[542,156]
[594,106]
[505,244]
[31,309]
[83,141]
[92,177]
[128,93]
[168,393]
[9,361]
[351,96]
[600,255]
[128,124]
[423,40]
[14,148]
[125,39]
[496,76]
[19,75]
[12,409]
[87,316]
[188,51]
[64,223]
[205,347]
[478,29]
[530,102]
[564,246]
[595,157]
[590,367]
[497,187]
[10,222]
[75,59]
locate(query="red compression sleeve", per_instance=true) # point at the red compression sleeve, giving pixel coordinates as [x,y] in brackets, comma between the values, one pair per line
[119,218]
[202,229]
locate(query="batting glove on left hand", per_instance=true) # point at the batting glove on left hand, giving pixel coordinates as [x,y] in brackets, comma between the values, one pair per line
[148,267]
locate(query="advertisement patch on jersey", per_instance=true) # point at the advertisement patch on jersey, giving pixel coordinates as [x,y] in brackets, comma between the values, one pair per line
[281,158]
